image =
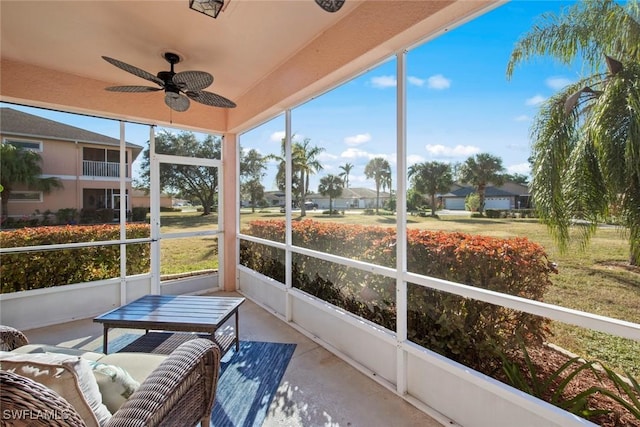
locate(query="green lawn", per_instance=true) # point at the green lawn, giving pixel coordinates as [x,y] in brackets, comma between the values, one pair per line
[592,279]
[188,254]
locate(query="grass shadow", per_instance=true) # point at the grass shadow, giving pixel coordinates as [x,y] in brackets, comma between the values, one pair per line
[631,279]
[474,221]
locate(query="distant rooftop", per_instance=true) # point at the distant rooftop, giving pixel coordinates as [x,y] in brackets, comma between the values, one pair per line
[19,123]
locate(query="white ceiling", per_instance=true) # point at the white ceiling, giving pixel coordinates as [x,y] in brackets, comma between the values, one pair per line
[264,54]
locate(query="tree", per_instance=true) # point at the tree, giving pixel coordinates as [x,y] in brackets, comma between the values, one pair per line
[331,185]
[192,182]
[431,178]
[252,166]
[480,170]
[518,178]
[586,138]
[346,170]
[379,170]
[281,181]
[304,164]
[20,167]
[306,158]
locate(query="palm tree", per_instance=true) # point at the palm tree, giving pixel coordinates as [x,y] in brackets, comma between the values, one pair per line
[281,173]
[480,171]
[331,185]
[304,163]
[22,167]
[252,165]
[346,170]
[305,158]
[431,178]
[379,170]
[586,138]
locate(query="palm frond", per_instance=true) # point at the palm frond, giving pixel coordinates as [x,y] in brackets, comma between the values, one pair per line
[591,29]
[554,135]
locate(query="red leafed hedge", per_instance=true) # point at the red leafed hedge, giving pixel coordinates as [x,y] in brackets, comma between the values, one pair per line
[463,329]
[44,269]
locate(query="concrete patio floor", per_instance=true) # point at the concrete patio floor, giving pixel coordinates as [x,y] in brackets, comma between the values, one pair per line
[318,388]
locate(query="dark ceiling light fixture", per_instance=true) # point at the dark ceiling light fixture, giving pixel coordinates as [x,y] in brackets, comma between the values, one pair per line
[330,5]
[210,8]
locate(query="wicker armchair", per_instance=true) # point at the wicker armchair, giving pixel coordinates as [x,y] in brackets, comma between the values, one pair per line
[11,338]
[180,391]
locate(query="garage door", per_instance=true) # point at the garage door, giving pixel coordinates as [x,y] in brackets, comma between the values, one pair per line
[497,203]
[454,204]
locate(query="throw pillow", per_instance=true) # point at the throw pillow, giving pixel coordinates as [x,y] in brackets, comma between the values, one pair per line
[69,376]
[116,385]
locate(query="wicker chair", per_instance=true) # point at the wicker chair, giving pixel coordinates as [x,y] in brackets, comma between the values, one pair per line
[11,338]
[180,391]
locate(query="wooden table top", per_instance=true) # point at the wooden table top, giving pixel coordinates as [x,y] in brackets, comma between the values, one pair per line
[173,312]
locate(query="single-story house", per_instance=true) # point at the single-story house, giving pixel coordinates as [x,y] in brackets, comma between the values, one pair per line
[351,198]
[508,196]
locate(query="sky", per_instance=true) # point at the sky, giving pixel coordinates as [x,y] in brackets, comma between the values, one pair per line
[459,103]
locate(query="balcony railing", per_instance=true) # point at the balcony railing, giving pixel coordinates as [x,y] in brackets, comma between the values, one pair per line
[107,169]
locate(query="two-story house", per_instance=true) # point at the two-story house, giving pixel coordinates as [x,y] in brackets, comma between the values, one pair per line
[86,163]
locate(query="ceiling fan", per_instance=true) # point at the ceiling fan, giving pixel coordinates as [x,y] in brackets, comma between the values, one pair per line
[330,5]
[178,87]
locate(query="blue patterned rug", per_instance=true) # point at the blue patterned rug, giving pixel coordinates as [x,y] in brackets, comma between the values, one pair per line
[248,380]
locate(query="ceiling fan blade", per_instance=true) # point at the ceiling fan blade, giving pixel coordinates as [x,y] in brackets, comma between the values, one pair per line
[178,103]
[192,80]
[330,5]
[212,99]
[134,70]
[133,89]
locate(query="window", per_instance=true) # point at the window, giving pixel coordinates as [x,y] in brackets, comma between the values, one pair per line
[25,196]
[26,145]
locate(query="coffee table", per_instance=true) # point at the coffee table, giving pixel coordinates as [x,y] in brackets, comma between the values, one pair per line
[176,313]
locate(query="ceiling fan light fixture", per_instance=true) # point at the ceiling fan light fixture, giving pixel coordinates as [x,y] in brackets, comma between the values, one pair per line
[330,5]
[210,8]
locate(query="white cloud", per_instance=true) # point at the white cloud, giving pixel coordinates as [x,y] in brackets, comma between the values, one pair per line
[324,156]
[522,118]
[522,168]
[412,159]
[416,81]
[358,139]
[438,82]
[557,82]
[440,150]
[277,136]
[535,100]
[354,153]
[382,82]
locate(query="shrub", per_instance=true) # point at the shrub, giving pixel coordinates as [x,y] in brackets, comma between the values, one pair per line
[369,212]
[552,387]
[460,328]
[67,216]
[43,269]
[472,202]
[139,214]
[97,216]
